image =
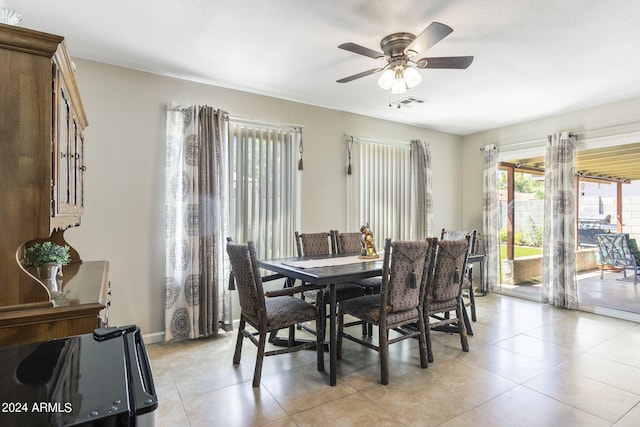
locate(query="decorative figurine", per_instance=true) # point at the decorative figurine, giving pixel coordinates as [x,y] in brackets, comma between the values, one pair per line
[369,248]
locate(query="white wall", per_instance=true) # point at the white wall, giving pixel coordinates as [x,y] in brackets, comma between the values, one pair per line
[123,220]
[604,121]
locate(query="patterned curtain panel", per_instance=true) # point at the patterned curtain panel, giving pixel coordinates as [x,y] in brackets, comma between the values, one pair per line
[559,284]
[422,193]
[197,303]
[490,216]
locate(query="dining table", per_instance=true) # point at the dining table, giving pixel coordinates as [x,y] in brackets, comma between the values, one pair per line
[328,270]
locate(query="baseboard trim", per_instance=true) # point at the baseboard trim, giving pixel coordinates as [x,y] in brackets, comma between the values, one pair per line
[153,338]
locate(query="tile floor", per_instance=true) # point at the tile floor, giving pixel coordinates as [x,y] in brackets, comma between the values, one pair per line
[529,365]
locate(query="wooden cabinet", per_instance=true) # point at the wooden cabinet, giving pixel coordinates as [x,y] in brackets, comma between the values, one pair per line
[42,168]
[68,154]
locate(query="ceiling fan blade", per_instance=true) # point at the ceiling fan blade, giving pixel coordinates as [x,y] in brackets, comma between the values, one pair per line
[429,37]
[359,75]
[457,62]
[361,50]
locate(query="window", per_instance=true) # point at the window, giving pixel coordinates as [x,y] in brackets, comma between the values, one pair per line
[379,189]
[264,186]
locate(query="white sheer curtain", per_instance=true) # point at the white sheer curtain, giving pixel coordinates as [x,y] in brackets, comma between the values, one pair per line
[389,186]
[490,222]
[197,302]
[421,190]
[559,284]
[264,186]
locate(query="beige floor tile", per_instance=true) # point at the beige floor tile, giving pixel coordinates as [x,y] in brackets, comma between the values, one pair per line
[624,347]
[468,382]
[171,413]
[630,419]
[571,387]
[606,371]
[549,353]
[351,410]
[303,388]
[525,407]
[418,400]
[508,364]
[476,417]
[565,336]
[238,405]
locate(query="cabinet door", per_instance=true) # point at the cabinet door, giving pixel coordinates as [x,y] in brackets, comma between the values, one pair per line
[79,167]
[65,144]
[64,157]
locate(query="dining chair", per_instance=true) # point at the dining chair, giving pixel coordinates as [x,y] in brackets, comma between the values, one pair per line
[266,315]
[347,242]
[318,244]
[351,242]
[399,303]
[467,285]
[443,294]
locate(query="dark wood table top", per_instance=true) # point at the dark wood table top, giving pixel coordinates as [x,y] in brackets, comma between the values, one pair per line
[325,275]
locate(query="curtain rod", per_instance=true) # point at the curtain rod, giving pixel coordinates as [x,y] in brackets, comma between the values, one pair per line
[571,133]
[248,121]
[376,141]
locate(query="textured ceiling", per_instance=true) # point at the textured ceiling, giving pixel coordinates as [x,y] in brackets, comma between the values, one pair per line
[532,58]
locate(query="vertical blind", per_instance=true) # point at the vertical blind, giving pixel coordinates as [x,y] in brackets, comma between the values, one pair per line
[263,178]
[379,189]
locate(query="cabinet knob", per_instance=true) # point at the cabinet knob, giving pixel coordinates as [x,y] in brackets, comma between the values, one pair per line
[83,168]
[76,156]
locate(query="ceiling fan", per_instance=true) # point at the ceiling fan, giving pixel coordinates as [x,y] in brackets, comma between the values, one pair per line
[399,50]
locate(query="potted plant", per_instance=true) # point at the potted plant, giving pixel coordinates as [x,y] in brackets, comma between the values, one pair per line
[48,258]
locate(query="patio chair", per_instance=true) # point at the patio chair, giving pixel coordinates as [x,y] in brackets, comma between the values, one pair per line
[618,251]
[443,295]
[398,304]
[267,314]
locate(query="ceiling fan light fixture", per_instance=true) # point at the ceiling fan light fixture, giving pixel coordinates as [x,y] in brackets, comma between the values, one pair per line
[398,85]
[412,77]
[8,16]
[386,78]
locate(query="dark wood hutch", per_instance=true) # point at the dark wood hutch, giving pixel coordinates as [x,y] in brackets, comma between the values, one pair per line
[41,189]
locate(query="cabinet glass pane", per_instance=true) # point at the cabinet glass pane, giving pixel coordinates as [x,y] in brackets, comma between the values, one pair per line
[63,143]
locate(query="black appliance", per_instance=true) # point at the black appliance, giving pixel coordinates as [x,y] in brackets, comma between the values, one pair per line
[589,227]
[99,379]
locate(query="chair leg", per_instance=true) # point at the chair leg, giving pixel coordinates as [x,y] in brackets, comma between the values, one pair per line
[422,341]
[257,373]
[472,299]
[238,352]
[320,336]
[383,348]
[461,327]
[339,338]
[427,331]
[465,317]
